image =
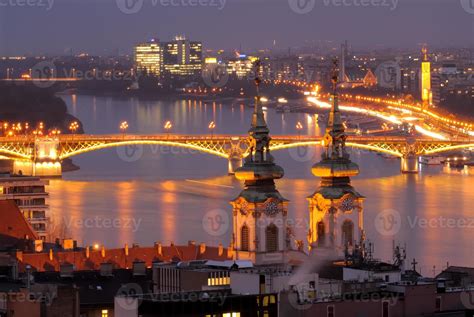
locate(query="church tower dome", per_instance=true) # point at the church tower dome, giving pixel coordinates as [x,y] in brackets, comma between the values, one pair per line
[335,209]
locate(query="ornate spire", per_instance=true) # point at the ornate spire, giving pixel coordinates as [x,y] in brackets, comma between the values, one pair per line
[259,171]
[335,167]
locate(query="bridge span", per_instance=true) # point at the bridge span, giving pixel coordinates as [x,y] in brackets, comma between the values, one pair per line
[42,156]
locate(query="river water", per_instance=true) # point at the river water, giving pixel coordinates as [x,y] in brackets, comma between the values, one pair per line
[151,193]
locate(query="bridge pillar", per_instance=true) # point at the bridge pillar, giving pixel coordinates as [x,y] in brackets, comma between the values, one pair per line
[45,161]
[234,163]
[409,163]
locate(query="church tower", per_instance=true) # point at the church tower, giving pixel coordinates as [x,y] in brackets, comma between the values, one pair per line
[260,231]
[336,208]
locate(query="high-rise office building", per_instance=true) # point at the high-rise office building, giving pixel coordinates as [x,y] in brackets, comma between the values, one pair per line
[182,57]
[149,57]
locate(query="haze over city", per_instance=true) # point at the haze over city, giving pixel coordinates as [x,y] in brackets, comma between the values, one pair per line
[99,27]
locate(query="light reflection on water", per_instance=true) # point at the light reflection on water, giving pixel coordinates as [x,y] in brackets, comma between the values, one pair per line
[164,195]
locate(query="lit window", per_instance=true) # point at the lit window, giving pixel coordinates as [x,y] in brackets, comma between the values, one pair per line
[105,313]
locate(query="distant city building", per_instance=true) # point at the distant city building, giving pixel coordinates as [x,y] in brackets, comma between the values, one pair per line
[426,92]
[182,57]
[148,57]
[242,66]
[30,196]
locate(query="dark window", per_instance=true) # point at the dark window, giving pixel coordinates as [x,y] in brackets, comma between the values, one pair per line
[321,233]
[244,238]
[331,311]
[438,304]
[385,309]
[271,234]
[347,233]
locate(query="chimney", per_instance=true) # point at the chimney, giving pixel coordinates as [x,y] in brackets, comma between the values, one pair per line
[39,245]
[202,248]
[102,252]
[19,255]
[230,251]
[159,248]
[88,252]
[50,254]
[68,244]
[126,249]
[220,249]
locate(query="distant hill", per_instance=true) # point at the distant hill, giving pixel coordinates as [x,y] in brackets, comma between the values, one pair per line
[28,103]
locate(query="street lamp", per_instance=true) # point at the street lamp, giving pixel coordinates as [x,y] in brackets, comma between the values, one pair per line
[168,126]
[73,127]
[299,127]
[212,126]
[123,126]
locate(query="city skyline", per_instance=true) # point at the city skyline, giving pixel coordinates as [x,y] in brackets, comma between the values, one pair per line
[103,28]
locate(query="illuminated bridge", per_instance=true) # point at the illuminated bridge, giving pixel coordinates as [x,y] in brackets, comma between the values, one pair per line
[42,156]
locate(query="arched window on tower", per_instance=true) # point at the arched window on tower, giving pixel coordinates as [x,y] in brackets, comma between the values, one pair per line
[244,238]
[347,233]
[321,234]
[271,234]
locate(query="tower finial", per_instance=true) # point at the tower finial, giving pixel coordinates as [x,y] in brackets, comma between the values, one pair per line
[424,50]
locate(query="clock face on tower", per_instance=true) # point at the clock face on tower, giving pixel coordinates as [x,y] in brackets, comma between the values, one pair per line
[271,208]
[347,204]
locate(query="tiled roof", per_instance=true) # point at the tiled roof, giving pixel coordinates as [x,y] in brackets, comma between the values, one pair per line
[14,229]
[51,261]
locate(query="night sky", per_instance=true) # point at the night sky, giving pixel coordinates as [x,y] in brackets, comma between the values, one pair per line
[100,27]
